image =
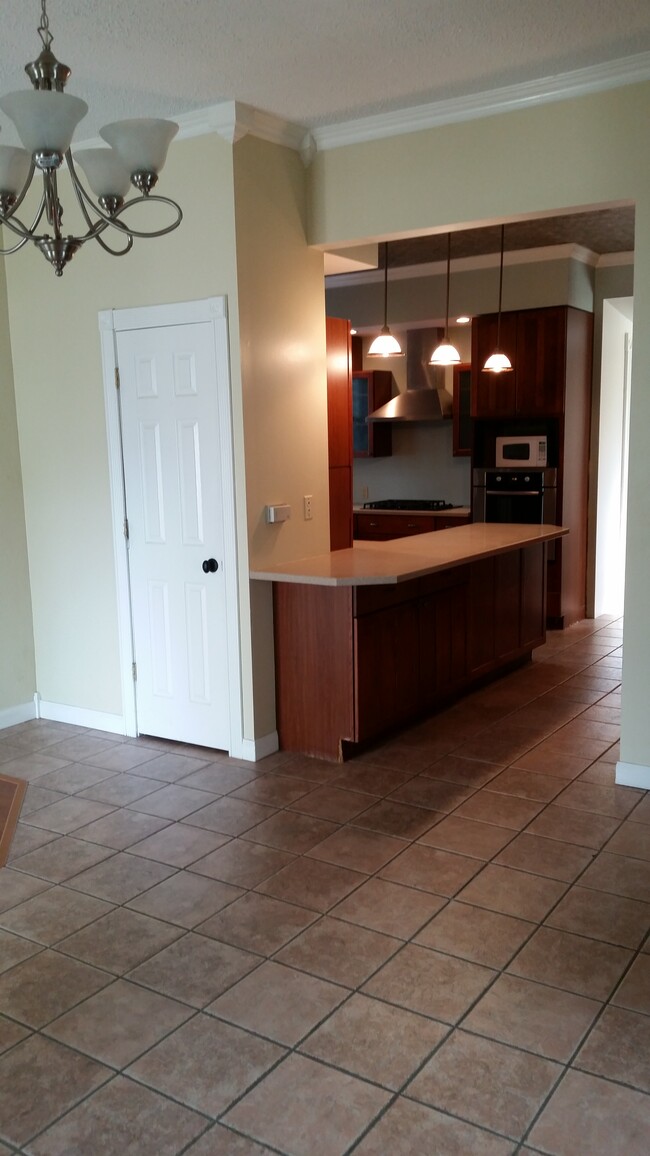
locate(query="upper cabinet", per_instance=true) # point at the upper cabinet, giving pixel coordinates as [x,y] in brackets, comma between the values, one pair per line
[461,413]
[370,389]
[535,340]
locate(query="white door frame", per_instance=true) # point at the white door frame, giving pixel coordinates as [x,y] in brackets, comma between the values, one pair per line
[112,321]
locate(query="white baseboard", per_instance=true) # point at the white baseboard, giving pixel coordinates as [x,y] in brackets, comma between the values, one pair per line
[633,775]
[79,716]
[12,715]
[255,749]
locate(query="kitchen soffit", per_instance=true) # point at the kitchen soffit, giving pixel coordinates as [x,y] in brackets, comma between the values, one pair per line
[601,231]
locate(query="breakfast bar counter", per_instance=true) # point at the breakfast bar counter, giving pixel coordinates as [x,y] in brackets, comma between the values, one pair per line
[371,638]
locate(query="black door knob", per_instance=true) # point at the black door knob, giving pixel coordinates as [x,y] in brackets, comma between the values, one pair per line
[210,565]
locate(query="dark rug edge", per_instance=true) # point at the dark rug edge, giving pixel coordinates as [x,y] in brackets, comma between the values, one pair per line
[8,829]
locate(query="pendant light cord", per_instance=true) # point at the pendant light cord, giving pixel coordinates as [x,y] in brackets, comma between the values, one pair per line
[448,279]
[500,293]
[385,285]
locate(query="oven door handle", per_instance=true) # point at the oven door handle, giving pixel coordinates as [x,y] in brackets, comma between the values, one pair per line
[514,493]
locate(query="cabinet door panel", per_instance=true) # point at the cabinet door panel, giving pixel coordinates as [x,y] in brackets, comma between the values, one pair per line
[462,428]
[370,390]
[481,614]
[507,575]
[541,345]
[340,479]
[339,396]
[493,394]
[386,673]
[443,642]
[533,589]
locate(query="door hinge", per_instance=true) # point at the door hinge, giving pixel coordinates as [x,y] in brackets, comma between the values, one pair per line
[117,377]
[126,528]
[134,671]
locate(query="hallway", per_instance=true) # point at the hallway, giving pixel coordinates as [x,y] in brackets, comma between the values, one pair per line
[438,949]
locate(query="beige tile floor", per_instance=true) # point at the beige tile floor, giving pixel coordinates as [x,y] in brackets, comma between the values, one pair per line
[439,948]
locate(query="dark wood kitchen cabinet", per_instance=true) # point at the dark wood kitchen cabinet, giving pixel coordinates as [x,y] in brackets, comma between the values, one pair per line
[549,392]
[354,663]
[339,430]
[461,411]
[370,389]
[537,342]
[373,526]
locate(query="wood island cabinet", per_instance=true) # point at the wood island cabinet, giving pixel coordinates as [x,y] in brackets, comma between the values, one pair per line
[354,663]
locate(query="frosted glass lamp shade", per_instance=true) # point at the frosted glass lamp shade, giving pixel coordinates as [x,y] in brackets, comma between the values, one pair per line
[45,120]
[497,363]
[14,169]
[445,354]
[385,345]
[140,144]
[104,171]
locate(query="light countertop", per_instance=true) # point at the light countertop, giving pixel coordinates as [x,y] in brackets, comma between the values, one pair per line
[401,559]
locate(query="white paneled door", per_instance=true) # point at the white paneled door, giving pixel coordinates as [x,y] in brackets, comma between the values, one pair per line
[174,506]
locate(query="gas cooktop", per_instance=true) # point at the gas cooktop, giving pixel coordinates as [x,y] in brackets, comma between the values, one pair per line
[409,504]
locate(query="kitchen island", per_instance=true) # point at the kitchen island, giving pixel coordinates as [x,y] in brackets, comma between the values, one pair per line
[371,638]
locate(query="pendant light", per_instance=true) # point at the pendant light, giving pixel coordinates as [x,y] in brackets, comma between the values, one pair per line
[445,353]
[385,345]
[45,118]
[497,362]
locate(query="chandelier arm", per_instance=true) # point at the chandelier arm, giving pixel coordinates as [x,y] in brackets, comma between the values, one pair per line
[112,218]
[123,227]
[21,230]
[114,252]
[8,252]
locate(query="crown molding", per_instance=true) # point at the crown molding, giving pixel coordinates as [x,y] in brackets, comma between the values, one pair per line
[233,120]
[597,77]
[568,252]
[607,260]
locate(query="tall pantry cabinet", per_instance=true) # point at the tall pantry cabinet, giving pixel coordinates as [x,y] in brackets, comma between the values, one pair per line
[339,430]
[547,392]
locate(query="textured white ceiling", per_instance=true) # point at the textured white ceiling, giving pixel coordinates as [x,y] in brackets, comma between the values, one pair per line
[312,62]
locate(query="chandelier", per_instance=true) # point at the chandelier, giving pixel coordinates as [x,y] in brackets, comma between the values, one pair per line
[45,120]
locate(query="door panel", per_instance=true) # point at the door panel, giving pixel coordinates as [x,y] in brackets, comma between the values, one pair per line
[170,432]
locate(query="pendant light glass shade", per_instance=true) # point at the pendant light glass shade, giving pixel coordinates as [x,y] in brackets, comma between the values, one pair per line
[385,345]
[104,171]
[446,353]
[45,121]
[140,144]
[498,362]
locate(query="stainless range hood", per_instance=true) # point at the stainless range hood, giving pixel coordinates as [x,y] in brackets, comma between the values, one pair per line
[425,398]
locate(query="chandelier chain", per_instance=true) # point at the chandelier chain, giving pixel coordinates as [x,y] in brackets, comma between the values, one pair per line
[44,28]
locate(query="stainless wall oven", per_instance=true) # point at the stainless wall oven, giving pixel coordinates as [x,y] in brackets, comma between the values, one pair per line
[507,495]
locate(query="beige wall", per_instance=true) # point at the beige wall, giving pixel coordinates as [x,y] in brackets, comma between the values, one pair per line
[17,673]
[243,236]
[59,396]
[570,154]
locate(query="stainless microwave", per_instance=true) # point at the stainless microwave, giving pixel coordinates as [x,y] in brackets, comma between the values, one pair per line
[521,450]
